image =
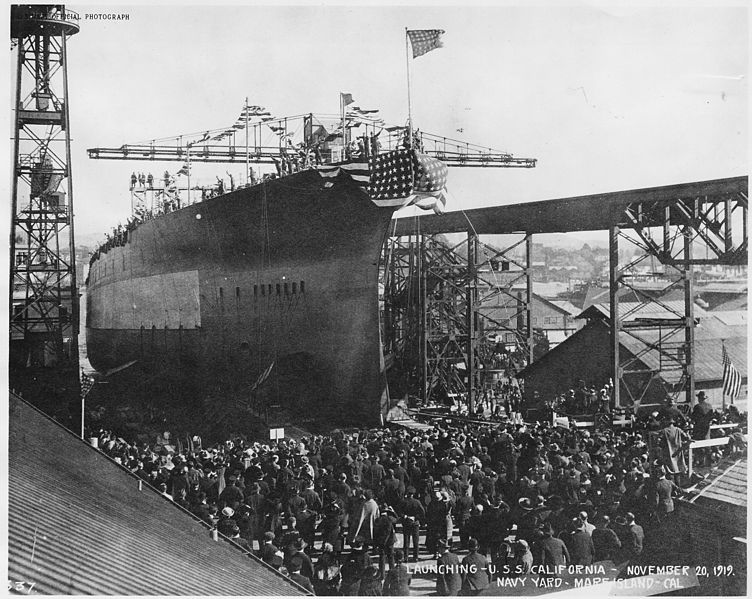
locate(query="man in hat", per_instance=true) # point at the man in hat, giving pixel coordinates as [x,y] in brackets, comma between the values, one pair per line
[476,574]
[631,535]
[269,550]
[232,496]
[384,537]
[702,416]
[227,521]
[463,509]
[413,513]
[672,440]
[397,580]
[331,525]
[664,500]
[551,550]
[354,567]
[297,554]
[671,412]
[448,577]
[522,559]
[579,544]
[295,568]
[605,541]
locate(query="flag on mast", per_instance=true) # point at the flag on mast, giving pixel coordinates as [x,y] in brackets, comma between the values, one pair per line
[732,380]
[346,99]
[87,382]
[424,40]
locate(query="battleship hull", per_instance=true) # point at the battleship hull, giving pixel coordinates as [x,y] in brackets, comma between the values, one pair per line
[279,279]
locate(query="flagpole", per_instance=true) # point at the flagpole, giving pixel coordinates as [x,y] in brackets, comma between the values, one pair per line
[409,101]
[342,123]
[247,155]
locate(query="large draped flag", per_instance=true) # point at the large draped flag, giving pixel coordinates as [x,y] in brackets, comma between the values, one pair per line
[391,178]
[732,380]
[424,40]
[430,183]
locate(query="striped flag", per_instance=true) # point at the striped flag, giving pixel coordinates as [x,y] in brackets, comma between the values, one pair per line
[393,176]
[430,181]
[732,380]
[87,382]
[424,40]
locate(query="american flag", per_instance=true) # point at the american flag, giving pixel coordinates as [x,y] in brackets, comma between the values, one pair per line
[430,181]
[424,40]
[732,380]
[388,178]
[87,382]
[392,175]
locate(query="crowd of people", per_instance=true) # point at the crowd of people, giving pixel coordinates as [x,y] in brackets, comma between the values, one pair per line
[345,513]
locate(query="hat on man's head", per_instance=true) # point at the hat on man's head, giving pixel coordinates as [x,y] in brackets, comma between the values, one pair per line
[525,503]
[472,544]
[701,396]
[228,512]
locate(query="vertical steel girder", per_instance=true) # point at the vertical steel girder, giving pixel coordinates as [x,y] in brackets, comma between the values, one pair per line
[445,305]
[658,352]
[43,295]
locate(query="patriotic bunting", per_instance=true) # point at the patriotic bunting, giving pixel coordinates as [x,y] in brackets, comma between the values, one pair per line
[393,177]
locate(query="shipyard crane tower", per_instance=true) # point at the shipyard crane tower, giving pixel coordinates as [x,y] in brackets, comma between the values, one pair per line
[43,294]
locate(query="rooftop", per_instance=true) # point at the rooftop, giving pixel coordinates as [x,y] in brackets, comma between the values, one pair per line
[79,524]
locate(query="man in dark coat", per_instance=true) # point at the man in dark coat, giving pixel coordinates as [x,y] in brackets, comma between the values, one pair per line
[448,577]
[299,556]
[664,500]
[269,551]
[397,580]
[551,551]
[605,541]
[702,416]
[295,568]
[384,537]
[413,514]
[354,567]
[631,534]
[579,544]
[476,575]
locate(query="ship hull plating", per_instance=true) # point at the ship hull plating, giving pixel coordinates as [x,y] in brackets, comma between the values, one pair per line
[210,296]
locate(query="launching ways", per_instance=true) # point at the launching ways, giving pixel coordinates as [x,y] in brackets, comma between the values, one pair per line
[443,300]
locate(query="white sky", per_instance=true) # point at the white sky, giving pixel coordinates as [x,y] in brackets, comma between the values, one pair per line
[607,98]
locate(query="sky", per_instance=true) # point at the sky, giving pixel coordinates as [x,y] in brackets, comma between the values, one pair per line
[606,97]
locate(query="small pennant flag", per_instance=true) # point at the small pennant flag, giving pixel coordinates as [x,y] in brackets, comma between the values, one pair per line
[346,99]
[424,40]
[732,380]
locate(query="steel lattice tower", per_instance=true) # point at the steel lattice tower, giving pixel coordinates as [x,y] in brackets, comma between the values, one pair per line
[44,299]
